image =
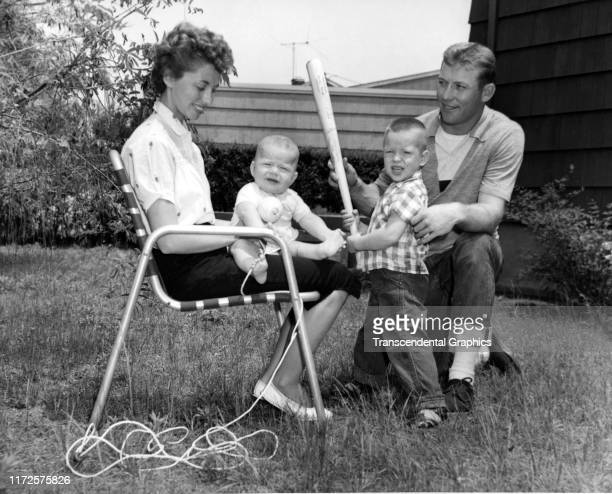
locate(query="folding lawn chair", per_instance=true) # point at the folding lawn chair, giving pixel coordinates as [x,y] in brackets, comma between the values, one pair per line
[147,267]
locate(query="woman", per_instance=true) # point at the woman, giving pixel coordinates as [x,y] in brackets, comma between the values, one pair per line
[167,171]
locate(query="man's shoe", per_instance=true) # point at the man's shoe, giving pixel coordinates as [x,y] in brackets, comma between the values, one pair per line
[431,417]
[444,361]
[501,357]
[443,379]
[459,395]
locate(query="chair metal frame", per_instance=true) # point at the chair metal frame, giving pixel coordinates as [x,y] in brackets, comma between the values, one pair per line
[147,267]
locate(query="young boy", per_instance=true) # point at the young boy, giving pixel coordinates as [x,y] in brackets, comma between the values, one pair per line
[274,169]
[389,253]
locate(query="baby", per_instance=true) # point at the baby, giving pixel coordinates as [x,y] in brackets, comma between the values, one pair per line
[268,201]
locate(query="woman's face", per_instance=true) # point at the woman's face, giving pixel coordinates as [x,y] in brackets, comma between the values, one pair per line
[189,95]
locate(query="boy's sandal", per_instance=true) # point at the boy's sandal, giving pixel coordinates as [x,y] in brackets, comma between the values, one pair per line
[430,417]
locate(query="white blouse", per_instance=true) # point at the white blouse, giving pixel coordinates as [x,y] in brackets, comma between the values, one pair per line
[163,162]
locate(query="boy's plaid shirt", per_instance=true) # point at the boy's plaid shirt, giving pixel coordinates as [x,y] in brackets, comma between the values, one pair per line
[405,199]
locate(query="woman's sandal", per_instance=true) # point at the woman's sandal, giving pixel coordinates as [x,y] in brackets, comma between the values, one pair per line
[274,397]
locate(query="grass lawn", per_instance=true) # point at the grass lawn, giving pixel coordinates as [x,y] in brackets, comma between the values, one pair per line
[60,309]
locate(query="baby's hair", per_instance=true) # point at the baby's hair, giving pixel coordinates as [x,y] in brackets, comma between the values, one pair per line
[183,48]
[473,55]
[278,140]
[408,123]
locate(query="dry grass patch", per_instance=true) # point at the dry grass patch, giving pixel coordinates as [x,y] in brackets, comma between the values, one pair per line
[60,309]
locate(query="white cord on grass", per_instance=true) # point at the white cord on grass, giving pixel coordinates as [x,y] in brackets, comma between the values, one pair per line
[231,447]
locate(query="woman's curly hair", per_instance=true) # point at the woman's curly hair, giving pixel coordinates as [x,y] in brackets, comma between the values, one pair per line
[183,48]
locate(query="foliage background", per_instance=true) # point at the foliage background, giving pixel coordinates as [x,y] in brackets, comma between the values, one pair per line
[70,88]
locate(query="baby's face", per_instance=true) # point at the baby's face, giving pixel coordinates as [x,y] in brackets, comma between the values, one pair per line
[274,169]
[403,154]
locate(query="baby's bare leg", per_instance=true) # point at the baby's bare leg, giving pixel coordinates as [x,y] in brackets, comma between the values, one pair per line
[325,249]
[246,253]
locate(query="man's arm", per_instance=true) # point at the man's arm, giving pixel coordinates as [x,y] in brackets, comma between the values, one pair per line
[439,219]
[484,216]
[364,196]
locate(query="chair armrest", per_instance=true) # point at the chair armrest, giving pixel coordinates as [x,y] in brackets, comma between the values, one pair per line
[238,231]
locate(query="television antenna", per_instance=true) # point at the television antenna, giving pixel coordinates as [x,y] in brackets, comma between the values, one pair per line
[293,44]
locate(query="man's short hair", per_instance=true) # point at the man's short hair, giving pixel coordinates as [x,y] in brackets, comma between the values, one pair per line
[407,123]
[473,55]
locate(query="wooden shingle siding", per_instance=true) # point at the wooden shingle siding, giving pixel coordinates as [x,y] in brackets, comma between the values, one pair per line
[246,113]
[480,8]
[587,168]
[587,130]
[554,77]
[577,21]
[541,97]
[570,58]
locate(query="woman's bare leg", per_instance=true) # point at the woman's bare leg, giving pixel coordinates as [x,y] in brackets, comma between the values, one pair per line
[318,321]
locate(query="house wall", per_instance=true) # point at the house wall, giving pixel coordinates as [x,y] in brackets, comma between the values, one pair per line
[428,83]
[246,113]
[554,77]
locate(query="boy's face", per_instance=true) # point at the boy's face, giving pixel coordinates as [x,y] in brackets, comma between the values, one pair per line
[274,168]
[402,153]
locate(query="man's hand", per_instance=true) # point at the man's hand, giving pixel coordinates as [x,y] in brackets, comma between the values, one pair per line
[435,221]
[439,219]
[349,171]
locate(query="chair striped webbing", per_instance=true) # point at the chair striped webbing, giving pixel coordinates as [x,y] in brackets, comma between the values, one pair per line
[142,232]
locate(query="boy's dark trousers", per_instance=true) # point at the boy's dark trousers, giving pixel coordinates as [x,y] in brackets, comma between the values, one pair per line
[394,293]
[462,276]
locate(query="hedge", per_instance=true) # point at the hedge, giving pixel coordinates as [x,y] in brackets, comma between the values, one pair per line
[60,198]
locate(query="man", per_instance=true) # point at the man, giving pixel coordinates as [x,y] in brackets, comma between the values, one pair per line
[475,156]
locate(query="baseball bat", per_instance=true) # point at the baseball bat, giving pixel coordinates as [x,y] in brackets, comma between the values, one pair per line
[328,124]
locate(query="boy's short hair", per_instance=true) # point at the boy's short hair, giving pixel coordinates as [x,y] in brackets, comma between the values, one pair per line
[474,55]
[407,123]
[280,141]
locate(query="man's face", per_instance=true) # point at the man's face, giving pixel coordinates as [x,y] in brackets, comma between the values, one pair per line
[461,98]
